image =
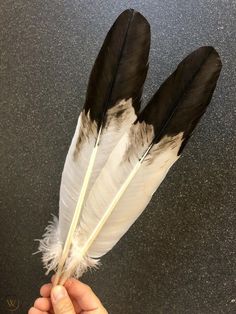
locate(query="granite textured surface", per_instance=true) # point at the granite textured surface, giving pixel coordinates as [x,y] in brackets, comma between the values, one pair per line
[179,257]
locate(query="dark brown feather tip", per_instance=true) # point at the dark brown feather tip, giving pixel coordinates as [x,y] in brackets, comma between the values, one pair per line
[121,66]
[183,98]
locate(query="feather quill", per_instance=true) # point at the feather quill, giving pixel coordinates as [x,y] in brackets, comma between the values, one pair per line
[111,106]
[143,156]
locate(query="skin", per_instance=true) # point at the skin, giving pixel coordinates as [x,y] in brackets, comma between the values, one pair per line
[74,298]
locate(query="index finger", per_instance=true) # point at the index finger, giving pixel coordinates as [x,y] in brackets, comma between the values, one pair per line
[83,294]
[45,290]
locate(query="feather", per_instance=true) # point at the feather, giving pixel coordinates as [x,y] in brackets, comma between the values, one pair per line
[111,106]
[142,158]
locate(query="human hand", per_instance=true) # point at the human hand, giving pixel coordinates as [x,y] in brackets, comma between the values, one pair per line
[74,298]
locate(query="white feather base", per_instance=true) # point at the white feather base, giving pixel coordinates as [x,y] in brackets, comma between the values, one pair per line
[51,248]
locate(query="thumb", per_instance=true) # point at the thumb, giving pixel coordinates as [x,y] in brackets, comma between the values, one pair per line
[61,302]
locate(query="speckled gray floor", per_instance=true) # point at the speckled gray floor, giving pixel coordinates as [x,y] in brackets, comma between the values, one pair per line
[180,255]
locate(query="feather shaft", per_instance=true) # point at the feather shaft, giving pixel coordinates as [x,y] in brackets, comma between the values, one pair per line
[108,212]
[105,217]
[77,213]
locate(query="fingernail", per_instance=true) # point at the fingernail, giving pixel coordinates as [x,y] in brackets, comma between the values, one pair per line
[58,293]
